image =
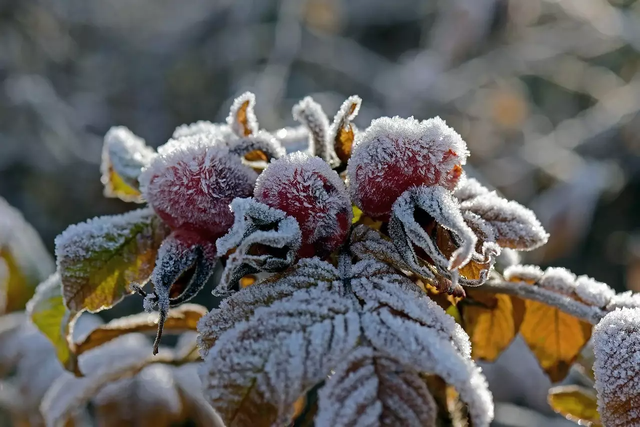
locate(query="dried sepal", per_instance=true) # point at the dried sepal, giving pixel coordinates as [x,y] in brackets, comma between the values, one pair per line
[242,117]
[514,226]
[183,267]
[342,131]
[368,388]
[263,239]
[616,345]
[310,113]
[124,155]
[257,370]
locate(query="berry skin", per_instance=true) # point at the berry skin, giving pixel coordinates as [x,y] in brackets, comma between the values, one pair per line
[307,189]
[191,183]
[395,154]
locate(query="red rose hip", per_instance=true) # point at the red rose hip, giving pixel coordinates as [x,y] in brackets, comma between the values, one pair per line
[307,189]
[395,154]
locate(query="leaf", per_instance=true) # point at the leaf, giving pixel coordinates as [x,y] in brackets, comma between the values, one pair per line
[256,371]
[242,117]
[48,313]
[124,155]
[180,319]
[554,337]
[310,114]
[342,130]
[616,345]
[492,321]
[369,388]
[24,260]
[99,259]
[575,403]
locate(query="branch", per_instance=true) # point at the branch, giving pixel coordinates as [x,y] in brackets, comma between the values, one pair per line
[535,293]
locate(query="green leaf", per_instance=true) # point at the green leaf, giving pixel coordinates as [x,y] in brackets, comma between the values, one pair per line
[24,261]
[48,313]
[99,259]
[575,403]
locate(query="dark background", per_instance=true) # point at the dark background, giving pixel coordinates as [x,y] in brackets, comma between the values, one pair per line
[546,94]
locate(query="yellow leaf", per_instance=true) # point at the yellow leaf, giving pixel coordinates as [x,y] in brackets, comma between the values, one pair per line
[357,213]
[48,313]
[492,321]
[242,119]
[344,130]
[99,259]
[554,337]
[575,403]
[247,281]
[115,186]
[181,319]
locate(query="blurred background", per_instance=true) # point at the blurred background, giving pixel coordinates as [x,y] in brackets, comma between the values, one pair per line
[546,93]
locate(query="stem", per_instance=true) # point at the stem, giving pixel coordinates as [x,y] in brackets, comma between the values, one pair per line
[535,293]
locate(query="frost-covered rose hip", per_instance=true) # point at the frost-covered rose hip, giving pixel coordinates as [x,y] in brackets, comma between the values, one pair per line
[395,154]
[307,189]
[191,183]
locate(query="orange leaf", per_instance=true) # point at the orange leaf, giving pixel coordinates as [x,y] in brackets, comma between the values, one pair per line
[492,322]
[554,337]
[575,403]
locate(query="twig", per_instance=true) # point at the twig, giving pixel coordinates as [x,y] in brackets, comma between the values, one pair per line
[535,293]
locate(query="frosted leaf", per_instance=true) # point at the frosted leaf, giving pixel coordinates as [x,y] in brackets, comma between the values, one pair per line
[393,155]
[98,259]
[117,359]
[628,299]
[367,243]
[469,188]
[593,292]
[219,130]
[423,349]
[293,138]
[377,287]
[124,155]
[523,273]
[441,210]
[262,142]
[368,389]
[149,398]
[310,113]
[616,345]
[264,239]
[514,225]
[342,131]
[559,280]
[242,117]
[307,189]
[257,370]
[191,184]
[507,258]
[240,306]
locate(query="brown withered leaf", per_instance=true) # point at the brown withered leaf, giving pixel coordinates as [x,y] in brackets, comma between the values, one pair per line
[342,129]
[555,338]
[241,118]
[575,403]
[180,319]
[492,321]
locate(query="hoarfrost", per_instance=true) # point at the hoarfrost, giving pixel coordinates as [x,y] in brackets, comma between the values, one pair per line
[469,188]
[616,345]
[310,113]
[368,389]
[524,273]
[261,141]
[242,117]
[221,131]
[559,280]
[628,299]
[593,292]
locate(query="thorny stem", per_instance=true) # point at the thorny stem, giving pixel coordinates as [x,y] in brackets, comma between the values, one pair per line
[535,293]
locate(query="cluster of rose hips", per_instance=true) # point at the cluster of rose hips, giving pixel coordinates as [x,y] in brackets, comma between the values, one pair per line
[197,175]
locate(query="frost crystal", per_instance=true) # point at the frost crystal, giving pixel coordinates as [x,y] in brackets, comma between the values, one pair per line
[394,154]
[264,239]
[559,280]
[628,299]
[307,189]
[203,127]
[260,141]
[242,117]
[616,345]
[468,189]
[593,292]
[523,273]
[368,388]
[191,184]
